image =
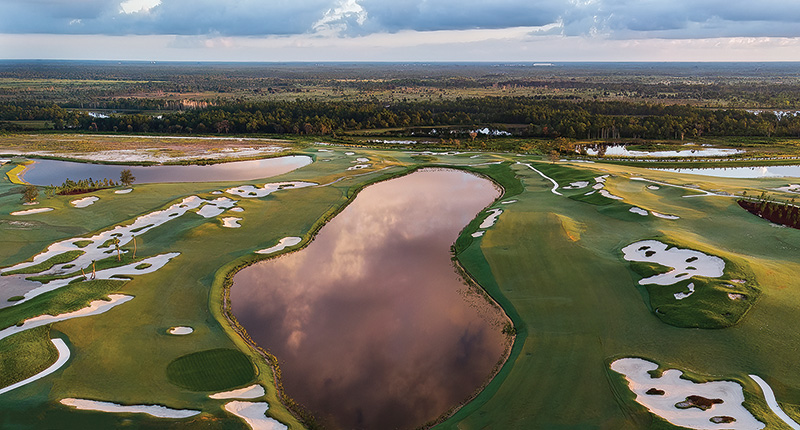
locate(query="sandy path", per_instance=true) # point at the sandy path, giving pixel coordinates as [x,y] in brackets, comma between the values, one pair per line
[63,356]
[772,402]
[555,184]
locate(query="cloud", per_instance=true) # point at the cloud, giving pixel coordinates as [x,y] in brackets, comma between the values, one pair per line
[615,19]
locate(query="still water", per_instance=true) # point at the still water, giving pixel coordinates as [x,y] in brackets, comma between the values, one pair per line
[54,172]
[371,324]
[622,151]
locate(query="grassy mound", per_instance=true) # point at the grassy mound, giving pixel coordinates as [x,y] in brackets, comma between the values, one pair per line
[716,303]
[25,354]
[211,370]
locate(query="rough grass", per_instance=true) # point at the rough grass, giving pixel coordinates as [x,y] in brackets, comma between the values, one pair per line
[211,370]
[25,354]
[47,264]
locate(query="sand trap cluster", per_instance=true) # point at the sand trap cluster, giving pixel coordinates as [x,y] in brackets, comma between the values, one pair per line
[685,263]
[31,211]
[63,357]
[231,222]
[645,212]
[254,414]
[677,390]
[555,184]
[180,330]
[95,308]
[358,167]
[152,410]
[282,244]
[125,191]
[249,191]
[772,402]
[252,392]
[791,188]
[216,207]
[84,202]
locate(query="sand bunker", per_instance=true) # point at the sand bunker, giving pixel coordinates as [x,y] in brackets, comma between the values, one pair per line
[555,184]
[685,263]
[152,264]
[665,216]
[639,211]
[577,185]
[249,191]
[606,194]
[63,357]
[180,330]
[125,191]
[237,209]
[231,222]
[95,308]
[216,207]
[478,233]
[491,219]
[682,295]
[252,392]
[361,160]
[791,188]
[282,244]
[254,415]
[772,402]
[217,192]
[653,187]
[358,167]
[31,211]
[508,202]
[349,153]
[677,390]
[86,201]
[152,410]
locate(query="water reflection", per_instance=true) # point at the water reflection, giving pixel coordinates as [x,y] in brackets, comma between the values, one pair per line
[371,325]
[623,151]
[47,172]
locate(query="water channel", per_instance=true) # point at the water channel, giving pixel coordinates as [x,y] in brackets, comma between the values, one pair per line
[372,326]
[53,172]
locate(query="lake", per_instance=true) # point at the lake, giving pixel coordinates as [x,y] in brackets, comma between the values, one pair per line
[372,326]
[54,172]
[743,172]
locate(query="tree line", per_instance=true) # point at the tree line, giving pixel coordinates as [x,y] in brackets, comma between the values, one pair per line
[530,117]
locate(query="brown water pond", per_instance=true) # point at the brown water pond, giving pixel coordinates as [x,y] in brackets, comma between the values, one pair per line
[372,326]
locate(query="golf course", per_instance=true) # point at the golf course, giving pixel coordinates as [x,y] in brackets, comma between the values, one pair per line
[607,295]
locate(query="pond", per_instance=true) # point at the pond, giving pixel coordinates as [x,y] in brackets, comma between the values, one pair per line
[622,151]
[54,172]
[372,326]
[743,172]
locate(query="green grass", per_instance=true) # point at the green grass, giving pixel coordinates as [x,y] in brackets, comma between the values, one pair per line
[82,243]
[65,257]
[212,370]
[25,354]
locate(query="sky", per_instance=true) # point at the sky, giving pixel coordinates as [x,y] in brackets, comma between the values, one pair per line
[401,30]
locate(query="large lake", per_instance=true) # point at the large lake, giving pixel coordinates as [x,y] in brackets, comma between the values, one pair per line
[54,172]
[743,172]
[372,326]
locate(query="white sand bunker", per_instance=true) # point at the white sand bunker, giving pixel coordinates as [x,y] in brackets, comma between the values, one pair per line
[142,267]
[216,207]
[250,191]
[772,402]
[639,211]
[31,211]
[478,233]
[86,201]
[577,185]
[491,219]
[653,187]
[606,194]
[358,167]
[665,216]
[237,209]
[682,295]
[95,308]
[216,192]
[361,160]
[712,403]
[125,191]
[152,410]
[791,188]
[180,330]
[645,212]
[252,392]
[231,222]
[685,263]
[508,202]
[349,153]
[254,414]
[63,357]
[282,244]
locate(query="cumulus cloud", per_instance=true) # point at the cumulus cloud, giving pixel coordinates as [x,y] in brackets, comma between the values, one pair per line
[616,19]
